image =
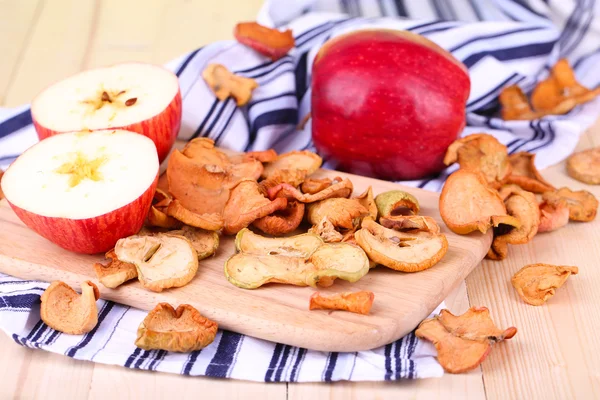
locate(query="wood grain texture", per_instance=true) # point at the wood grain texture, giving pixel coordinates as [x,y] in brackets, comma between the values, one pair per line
[273,312]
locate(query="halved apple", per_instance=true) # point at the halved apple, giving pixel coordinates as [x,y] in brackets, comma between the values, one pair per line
[84,190]
[137,97]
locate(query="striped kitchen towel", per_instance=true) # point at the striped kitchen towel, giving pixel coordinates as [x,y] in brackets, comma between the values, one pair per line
[502,42]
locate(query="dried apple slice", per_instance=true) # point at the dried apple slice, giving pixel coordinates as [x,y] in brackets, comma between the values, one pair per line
[585,166]
[282,221]
[210,222]
[302,260]
[536,283]
[182,330]
[396,202]
[413,223]
[204,242]
[515,105]
[326,231]
[467,204]
[314,185]
[203,152]
[341,212]
[340,189]
[301,160]
[64,310]
[267,41]
[462,342]
[356,302]
[157,216]
[523,206]
[116,272]
[163,261]
[293,177]
[553,216]
[525,174]
[481,153]
[246,204]
[367,200]
[401,251]
[224,84]
[583,206]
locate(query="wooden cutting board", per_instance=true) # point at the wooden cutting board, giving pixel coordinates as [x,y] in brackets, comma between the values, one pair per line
[273,312]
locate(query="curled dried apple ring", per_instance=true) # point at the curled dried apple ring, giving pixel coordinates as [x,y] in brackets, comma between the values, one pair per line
[525,174]
[162,261]
[224,84]
[401,251]
[116,272]
[210,222]
[515,105]
[282,221]
[553,216]
[340,189]
[292,177]
[204,242]
[64,310]
[182,330]
[267,41]
[367,200]
[314,185]
[467,203]
[463,342]
[396,202]
[414,223]
[583,205]
[536,283]
[585,166]
[157,216]
[356,302]
[326,231]
[300,160]
[341,212]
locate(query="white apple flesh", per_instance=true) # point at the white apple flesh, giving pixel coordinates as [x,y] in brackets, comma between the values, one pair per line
[137,97]
[84,190]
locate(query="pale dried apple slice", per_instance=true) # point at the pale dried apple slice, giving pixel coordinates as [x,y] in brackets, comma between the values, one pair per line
[583,205]
[401,251]
[463,342]
[341,212]
[224,84]
[481,153]
[467,204]
[163,261]
[525,174]
[182,330]
[302,246]
[65,310]
[411,223]
[246,204]
[553,216]
[367,200]
[284,190]
[356,302]
[301,160]
[536,283]
[116,272]
[585,166]
[396,202]
[209,222]
[282,221]
[326,231]
[204,242]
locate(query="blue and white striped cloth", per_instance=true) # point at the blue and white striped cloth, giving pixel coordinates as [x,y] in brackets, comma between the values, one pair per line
[502,42]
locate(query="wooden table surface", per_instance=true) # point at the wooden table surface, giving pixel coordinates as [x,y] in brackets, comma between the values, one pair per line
[555,352]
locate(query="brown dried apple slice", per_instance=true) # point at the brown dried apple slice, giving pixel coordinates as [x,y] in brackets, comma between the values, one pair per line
[414,223]
[64,310]
[326,231]
[462,342]
[116,272]
[302,260]
[314,185]
[282,221]
[467,204]
[525,174]
[553,216]
[536,283]
[246,204]
[204,242]
[210,222]
[182,330]
[341,212]
[157,216]
[396,202]
[301,160]
[340,189]
[203,152]
[585,166]
[224,84]
[264,156]
[401,251]
[481,153]
[267,41]
[583,205]
[162,261]
[356,302]
[367,200]
[515,105]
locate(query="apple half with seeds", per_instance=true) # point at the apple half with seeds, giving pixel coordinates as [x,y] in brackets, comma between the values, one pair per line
[137,97]
[84,190]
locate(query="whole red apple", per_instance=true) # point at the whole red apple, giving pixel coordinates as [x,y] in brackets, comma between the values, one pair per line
[84,190]
[387,103]
[136,97]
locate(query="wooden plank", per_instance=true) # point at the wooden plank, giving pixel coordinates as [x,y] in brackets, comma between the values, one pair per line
[28,373]
[17,19]
[554,354]
[275,312]
[113,382]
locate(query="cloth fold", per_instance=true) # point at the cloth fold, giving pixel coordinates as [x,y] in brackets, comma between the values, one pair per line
[502,42]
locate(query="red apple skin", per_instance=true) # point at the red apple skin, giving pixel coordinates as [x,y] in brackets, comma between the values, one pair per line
[387,104]
[162,128]
[91,235]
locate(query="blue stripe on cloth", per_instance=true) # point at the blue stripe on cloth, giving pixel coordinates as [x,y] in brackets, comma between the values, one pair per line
[226,351]
[512,53]
[282,365]
[185,63]
[274,362]
[296,368]
[90,335]
[15,123]
[20,301]
[276,117]
[331,362]
[131,359]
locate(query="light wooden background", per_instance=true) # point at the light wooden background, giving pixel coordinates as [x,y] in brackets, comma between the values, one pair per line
[553,355]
